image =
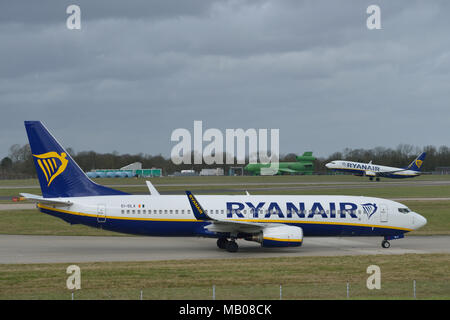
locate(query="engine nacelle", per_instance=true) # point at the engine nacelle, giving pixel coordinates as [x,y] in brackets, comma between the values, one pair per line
[280,236]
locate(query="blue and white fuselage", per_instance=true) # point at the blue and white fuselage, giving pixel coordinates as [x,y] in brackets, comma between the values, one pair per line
[272,220]
[171,215]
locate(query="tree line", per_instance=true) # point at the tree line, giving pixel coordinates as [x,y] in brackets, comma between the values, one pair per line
[19,162]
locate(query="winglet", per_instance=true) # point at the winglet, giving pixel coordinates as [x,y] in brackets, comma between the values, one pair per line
[152,189]
[197,209]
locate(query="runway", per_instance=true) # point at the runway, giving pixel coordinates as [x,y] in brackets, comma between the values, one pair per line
[70,249]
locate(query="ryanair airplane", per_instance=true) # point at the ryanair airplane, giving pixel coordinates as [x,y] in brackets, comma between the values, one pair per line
[271,220]
[375,171]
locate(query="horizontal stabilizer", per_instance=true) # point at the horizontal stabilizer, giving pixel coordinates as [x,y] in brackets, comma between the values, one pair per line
[40,199]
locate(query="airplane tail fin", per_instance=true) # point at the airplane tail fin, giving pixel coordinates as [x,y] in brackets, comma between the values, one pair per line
[59,175]
[307,156]
[417,163]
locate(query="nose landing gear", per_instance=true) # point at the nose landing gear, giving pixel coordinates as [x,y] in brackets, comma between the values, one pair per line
[386,244]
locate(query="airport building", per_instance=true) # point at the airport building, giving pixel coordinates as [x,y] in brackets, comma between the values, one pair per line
[129,171]
[212,172]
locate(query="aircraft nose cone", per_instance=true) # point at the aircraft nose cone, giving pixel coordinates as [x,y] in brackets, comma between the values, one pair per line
[328,165]
[420,221]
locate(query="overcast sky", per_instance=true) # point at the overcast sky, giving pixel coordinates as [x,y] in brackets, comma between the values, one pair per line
[137,70]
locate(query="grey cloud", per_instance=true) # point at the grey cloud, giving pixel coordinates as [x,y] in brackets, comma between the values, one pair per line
[137,71]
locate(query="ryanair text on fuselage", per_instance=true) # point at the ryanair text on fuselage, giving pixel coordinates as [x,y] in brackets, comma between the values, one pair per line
[290,209]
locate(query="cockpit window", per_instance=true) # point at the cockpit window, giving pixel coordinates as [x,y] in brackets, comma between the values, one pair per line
[404,210]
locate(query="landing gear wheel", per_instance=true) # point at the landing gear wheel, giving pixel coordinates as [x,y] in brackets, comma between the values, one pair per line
[232,246]
[370,178]
[378,179]
[385,244]
[222,243]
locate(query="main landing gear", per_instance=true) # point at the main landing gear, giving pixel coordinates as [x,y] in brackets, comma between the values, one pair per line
[229,245]
[385,244]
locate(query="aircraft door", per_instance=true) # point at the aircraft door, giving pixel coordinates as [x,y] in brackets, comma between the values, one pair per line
[101,213]
[384,213]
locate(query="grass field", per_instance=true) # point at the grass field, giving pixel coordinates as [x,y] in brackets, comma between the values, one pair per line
[301,278]
[329,185]
[232,179]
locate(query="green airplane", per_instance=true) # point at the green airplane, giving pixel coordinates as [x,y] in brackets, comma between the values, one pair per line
[303,165]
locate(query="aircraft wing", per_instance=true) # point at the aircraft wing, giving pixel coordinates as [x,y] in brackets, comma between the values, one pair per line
[287,170]
[386,173]
[370,173]
[219,225]
[225,226]
[40,199]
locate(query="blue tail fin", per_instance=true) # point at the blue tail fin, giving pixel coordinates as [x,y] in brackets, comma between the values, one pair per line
[59,175]
[417,163]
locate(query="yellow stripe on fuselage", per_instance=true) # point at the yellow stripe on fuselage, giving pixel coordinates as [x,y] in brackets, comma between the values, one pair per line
[283,240]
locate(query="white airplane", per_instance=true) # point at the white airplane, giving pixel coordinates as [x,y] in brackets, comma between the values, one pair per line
[376,171]
[272,220]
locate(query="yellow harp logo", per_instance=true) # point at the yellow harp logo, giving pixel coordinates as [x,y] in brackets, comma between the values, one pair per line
[52,164]
[419,163]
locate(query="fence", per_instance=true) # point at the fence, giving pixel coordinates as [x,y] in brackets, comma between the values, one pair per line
[342,291]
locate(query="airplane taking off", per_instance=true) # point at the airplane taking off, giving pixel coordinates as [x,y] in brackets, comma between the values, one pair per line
[272,220]
[376,171]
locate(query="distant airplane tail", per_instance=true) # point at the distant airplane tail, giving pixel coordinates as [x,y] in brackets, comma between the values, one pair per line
[58,174]
[307,156]
[417,163]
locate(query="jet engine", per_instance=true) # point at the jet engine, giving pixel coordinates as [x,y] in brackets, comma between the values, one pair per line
[279,236]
